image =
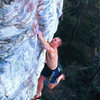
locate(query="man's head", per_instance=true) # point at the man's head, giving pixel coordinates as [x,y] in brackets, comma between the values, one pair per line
[56,42]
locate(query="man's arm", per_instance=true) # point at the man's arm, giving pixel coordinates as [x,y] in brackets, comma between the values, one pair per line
[44,42]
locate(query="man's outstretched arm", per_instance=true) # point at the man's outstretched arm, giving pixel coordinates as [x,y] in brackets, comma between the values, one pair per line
[44,42]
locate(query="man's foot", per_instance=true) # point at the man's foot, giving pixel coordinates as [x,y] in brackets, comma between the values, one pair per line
[61,77]
[37,97]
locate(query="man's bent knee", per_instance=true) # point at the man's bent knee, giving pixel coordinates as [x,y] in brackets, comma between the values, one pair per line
[51,86]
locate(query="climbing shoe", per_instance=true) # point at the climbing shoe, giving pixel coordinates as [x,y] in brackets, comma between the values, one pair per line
[36,98]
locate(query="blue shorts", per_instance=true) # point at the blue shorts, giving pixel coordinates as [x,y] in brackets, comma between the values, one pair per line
[52,75]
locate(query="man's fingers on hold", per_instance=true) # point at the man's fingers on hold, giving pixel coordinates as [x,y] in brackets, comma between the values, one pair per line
[39,32]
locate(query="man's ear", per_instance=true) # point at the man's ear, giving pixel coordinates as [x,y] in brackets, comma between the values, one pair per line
[47,41]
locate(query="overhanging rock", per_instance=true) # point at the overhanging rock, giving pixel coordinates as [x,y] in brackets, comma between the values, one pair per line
[21,54]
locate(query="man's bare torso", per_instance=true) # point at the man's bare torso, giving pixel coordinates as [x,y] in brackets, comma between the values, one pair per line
[52,59]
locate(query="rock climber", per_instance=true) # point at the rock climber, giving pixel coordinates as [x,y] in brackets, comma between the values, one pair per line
[51,66]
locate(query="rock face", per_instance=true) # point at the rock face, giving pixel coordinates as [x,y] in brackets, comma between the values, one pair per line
[22,56]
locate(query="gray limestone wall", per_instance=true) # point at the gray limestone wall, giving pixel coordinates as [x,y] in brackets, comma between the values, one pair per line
[22,55]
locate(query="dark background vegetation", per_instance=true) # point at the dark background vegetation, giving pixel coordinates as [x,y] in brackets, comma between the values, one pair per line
[79,29]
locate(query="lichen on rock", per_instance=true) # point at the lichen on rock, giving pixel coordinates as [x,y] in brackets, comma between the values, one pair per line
[21,54]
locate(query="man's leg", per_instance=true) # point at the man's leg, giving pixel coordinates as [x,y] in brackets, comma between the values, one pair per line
[40,85]
[51,86]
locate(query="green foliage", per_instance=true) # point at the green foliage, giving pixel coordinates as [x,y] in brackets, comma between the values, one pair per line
[80,33]
[98,88]
[78,30]
[45,97]
[75,52]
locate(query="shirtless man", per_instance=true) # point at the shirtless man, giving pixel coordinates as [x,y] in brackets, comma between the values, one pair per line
[51,64]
